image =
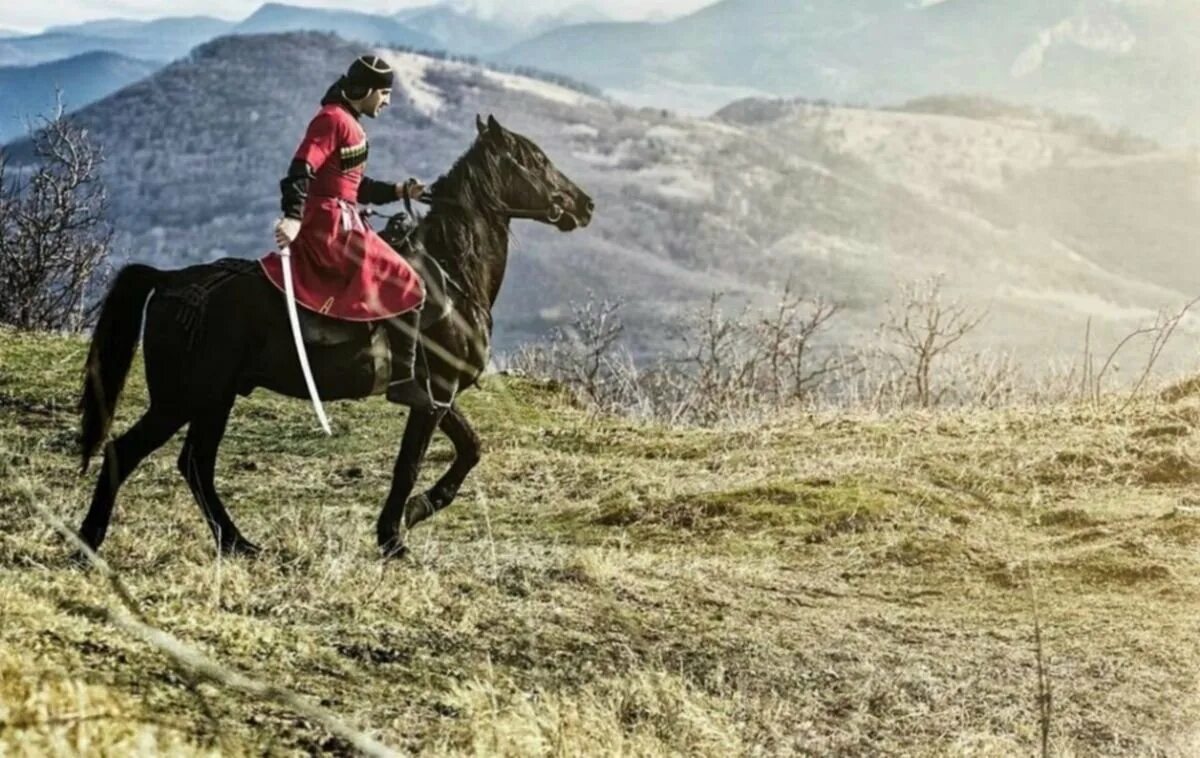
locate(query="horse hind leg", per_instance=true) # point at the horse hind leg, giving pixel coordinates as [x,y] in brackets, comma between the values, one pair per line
[466,455]
[198,463]
[121,457]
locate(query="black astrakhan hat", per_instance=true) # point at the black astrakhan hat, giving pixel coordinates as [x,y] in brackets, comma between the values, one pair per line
[370,71]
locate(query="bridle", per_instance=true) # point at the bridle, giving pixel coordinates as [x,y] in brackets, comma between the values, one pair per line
[551,215]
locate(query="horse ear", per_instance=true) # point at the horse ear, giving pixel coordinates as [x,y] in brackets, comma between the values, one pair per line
[493,123]
[479,126]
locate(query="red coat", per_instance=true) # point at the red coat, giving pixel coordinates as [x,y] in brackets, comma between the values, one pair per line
[340,266]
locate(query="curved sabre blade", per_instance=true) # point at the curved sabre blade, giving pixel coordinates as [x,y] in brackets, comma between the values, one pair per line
[294,317]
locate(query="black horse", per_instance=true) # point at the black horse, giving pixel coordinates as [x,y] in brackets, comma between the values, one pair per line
[218,330]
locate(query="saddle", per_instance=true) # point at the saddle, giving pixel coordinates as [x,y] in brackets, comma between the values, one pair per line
[325,331]
[316,329]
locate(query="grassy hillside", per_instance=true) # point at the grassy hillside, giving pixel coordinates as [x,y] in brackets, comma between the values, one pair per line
[849,584]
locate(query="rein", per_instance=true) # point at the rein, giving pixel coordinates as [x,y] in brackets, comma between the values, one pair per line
[550,215]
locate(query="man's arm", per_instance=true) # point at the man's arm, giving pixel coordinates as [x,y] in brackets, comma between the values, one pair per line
[374,192]
[294,188]
[319,142]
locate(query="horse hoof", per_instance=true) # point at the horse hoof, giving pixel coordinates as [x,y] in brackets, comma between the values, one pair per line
[240,547]
[417,509]
[394,548]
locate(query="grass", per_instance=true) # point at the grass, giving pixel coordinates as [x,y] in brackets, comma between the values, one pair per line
[849,583]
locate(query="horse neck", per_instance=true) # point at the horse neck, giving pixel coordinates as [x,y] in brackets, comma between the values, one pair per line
[472,246]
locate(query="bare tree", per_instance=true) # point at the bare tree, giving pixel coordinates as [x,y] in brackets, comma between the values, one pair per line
[54,239]
[583,351]
[1159,334]
[920,327]
[785,341]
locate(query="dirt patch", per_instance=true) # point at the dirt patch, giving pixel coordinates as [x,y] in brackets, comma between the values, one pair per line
[1068,518]
[1181,526]
[1180,390]
[822,511]
[1167,467]
[928,550]
[1069,465]
[1115,567]
[1162,431]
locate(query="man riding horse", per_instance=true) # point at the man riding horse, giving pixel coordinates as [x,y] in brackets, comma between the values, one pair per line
[216,331]
[342,268]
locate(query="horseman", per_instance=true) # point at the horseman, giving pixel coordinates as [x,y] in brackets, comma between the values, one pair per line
[342,268]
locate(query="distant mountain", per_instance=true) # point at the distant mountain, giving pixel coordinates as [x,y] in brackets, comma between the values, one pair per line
[461,32]
[1130,64]
[26,92]
[576,13]
[124,28]
[275,17]
[1046,220]
[6,33]
[161,40]
[435,27]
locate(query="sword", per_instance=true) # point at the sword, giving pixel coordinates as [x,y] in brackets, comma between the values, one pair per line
[290,295]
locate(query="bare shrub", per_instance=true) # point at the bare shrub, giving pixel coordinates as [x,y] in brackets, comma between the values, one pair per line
[730,364]
[745,364]
[920,327]
[1157,334]
[54,240]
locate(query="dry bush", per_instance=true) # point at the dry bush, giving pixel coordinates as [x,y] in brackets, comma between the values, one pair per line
[54,240]
[1092,380]
[744,365]
[919,329]
[728,367]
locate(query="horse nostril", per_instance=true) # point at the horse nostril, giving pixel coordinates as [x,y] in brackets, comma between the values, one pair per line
[590,206]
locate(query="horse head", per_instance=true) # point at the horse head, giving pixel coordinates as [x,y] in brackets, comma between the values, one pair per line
[531,186]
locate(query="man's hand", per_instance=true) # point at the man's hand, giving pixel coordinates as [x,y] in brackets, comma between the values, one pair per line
[286,230]
[412,189]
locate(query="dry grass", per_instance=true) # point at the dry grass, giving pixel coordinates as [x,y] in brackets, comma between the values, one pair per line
[841,583]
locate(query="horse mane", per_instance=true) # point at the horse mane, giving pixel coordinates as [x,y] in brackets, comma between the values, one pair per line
[472,180]
[470,190]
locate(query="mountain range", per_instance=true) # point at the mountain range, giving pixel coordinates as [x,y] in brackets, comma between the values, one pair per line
[1047,221]
[1130,63]
[160,40]
[67,57]
[27,92]
[448,26]
[366,27]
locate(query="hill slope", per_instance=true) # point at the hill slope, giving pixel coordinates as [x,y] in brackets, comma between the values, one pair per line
[1127,63]
[26,92]
[1068,222]
[463,33]
[819,585]
[160,40]
[273,18]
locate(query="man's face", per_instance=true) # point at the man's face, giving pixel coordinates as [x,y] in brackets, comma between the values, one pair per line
[375,101]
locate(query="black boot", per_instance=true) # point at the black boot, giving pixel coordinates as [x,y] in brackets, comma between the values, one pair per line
[404,387]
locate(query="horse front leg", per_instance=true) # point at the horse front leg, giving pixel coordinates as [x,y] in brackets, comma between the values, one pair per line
[390,528]
[466,456]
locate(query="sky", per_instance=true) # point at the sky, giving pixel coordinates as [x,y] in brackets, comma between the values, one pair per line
[32,17]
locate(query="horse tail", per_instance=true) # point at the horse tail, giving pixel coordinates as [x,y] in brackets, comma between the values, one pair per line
[111,352]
